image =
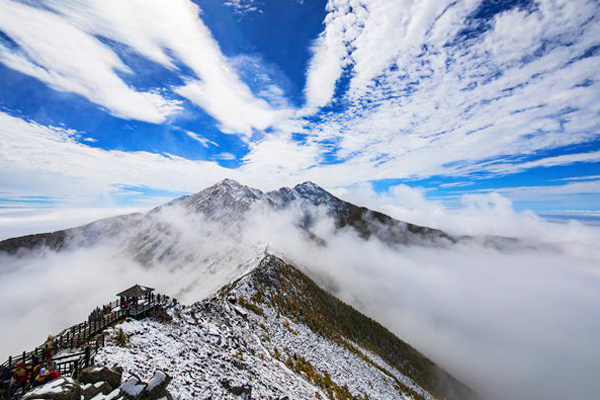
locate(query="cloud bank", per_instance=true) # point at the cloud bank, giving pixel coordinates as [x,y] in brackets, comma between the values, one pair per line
[511,324]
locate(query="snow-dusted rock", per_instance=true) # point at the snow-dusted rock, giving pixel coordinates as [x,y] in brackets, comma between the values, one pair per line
[157,386]
[59,389]
[133,387]
[112,376]
[91,390]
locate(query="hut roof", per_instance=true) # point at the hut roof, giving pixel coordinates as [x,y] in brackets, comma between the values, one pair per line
[135,291]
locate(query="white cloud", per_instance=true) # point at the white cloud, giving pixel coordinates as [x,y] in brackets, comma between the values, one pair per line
[153,28]
[330,52]
[224,156]
[392,30]
[479,214]
[39,160]
[201,139]
[512,324]
[243,7]
[22,221]
[411,111]
[549,193]
[236,108]
[46,54]
[579,178]
[564,159]
[369,35]
[161,32]
[51,160]
[421,104]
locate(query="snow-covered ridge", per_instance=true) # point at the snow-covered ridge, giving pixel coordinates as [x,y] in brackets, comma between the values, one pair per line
[242,338]
[229,192]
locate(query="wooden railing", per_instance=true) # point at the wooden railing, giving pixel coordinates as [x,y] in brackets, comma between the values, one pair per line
[74,337]
[81,342]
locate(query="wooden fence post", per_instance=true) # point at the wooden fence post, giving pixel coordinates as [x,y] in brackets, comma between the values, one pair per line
[76,370]
[86,357]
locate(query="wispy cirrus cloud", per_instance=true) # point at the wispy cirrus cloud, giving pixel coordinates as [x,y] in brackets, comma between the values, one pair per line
[37,158]
[165,33]
[44,54]
[201,139]
[243,7]
[394,90]
[451,88]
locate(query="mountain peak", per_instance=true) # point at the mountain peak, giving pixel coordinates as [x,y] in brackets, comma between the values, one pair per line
[229,184]
[309,186]
[233,187]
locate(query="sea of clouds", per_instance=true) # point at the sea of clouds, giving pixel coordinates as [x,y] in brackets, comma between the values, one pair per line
[522,323]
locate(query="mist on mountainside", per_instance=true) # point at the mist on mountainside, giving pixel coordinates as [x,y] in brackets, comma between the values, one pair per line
[519,323]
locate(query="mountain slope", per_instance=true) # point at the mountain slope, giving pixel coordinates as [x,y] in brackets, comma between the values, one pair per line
[229,203]
[273,333]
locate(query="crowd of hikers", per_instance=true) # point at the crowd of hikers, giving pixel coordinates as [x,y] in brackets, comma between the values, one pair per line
[25,376]
[99,313]
[128,302]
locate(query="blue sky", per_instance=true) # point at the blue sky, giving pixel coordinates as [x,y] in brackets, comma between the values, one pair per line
[128,104]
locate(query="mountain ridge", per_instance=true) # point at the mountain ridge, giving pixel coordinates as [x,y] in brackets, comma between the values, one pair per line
[270,334]
[294,294]
[230,199]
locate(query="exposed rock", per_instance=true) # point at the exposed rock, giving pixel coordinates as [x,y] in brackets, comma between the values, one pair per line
[90,390]
[156,388]
[242,390]
[100,383]
[59,389]
[112,376]
[133,387]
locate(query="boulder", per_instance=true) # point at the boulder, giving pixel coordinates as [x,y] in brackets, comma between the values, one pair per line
[59,389]
[90,390]
[157,386]
[244,390]
[112,376]
[133,388]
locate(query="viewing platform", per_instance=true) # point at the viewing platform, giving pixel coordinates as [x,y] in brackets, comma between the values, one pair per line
[74,348]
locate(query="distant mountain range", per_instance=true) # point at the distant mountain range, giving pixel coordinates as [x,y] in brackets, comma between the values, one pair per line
[216,244]
[229,202]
